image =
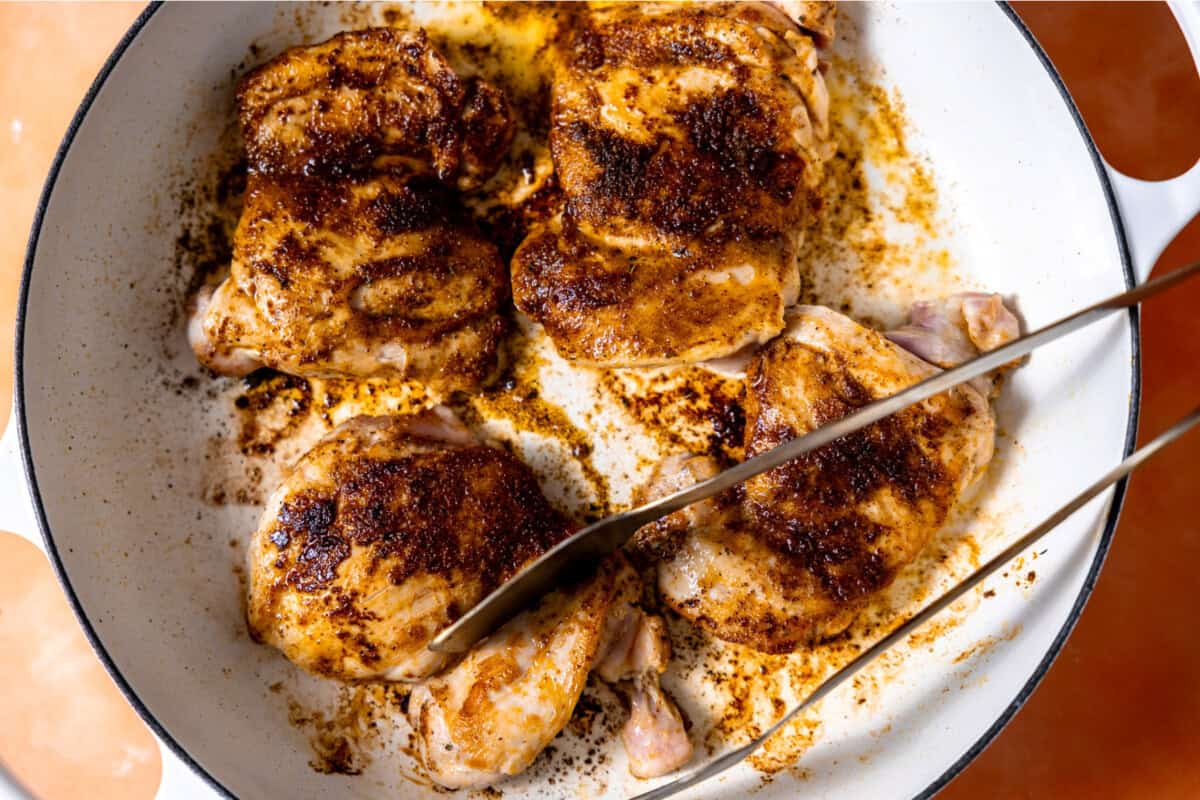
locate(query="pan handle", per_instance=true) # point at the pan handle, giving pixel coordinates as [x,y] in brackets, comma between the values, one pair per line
[1154,212]
[16,505]
[1187,14]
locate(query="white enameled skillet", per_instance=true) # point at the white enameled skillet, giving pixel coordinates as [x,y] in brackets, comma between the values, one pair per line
[111,454]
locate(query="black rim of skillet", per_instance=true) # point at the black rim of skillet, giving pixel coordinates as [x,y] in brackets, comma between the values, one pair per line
[178,749]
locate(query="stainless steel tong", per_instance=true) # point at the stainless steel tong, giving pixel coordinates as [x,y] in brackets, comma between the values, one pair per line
[727,760]
[590,545]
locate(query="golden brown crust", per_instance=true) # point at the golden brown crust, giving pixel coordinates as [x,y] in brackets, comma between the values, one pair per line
[603,305]
[386,531]
[726,160]
[419,505]
[333,108]
[473,510]
[856,511]
[368,276]
[352,257]
[686,161]
[812,507]
[794,554]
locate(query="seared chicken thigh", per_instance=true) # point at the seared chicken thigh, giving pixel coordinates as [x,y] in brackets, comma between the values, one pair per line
[388,530]
[717,570]
[352,257]
[793,554]
[379,274]
[687,139]
[332,108]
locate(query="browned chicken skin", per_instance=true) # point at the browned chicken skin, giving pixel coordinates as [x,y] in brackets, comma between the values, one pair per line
[686,140]
[792,556]
[372,275]
[384,533]
[334,107]
[490,715]
[353,257]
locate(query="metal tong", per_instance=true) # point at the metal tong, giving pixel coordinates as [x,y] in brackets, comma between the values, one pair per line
[587,547]
[733,757]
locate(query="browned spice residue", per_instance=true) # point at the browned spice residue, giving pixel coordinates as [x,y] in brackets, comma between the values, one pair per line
[343,737]
[207,213]
[337,400]
[272,407]
[754,690]
[529,412]
[878,235]
[690,409]
[987,643]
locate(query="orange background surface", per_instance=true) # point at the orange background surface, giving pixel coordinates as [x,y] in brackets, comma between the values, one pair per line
[1117,716]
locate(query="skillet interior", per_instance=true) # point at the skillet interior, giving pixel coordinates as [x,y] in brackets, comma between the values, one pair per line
[117,450]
